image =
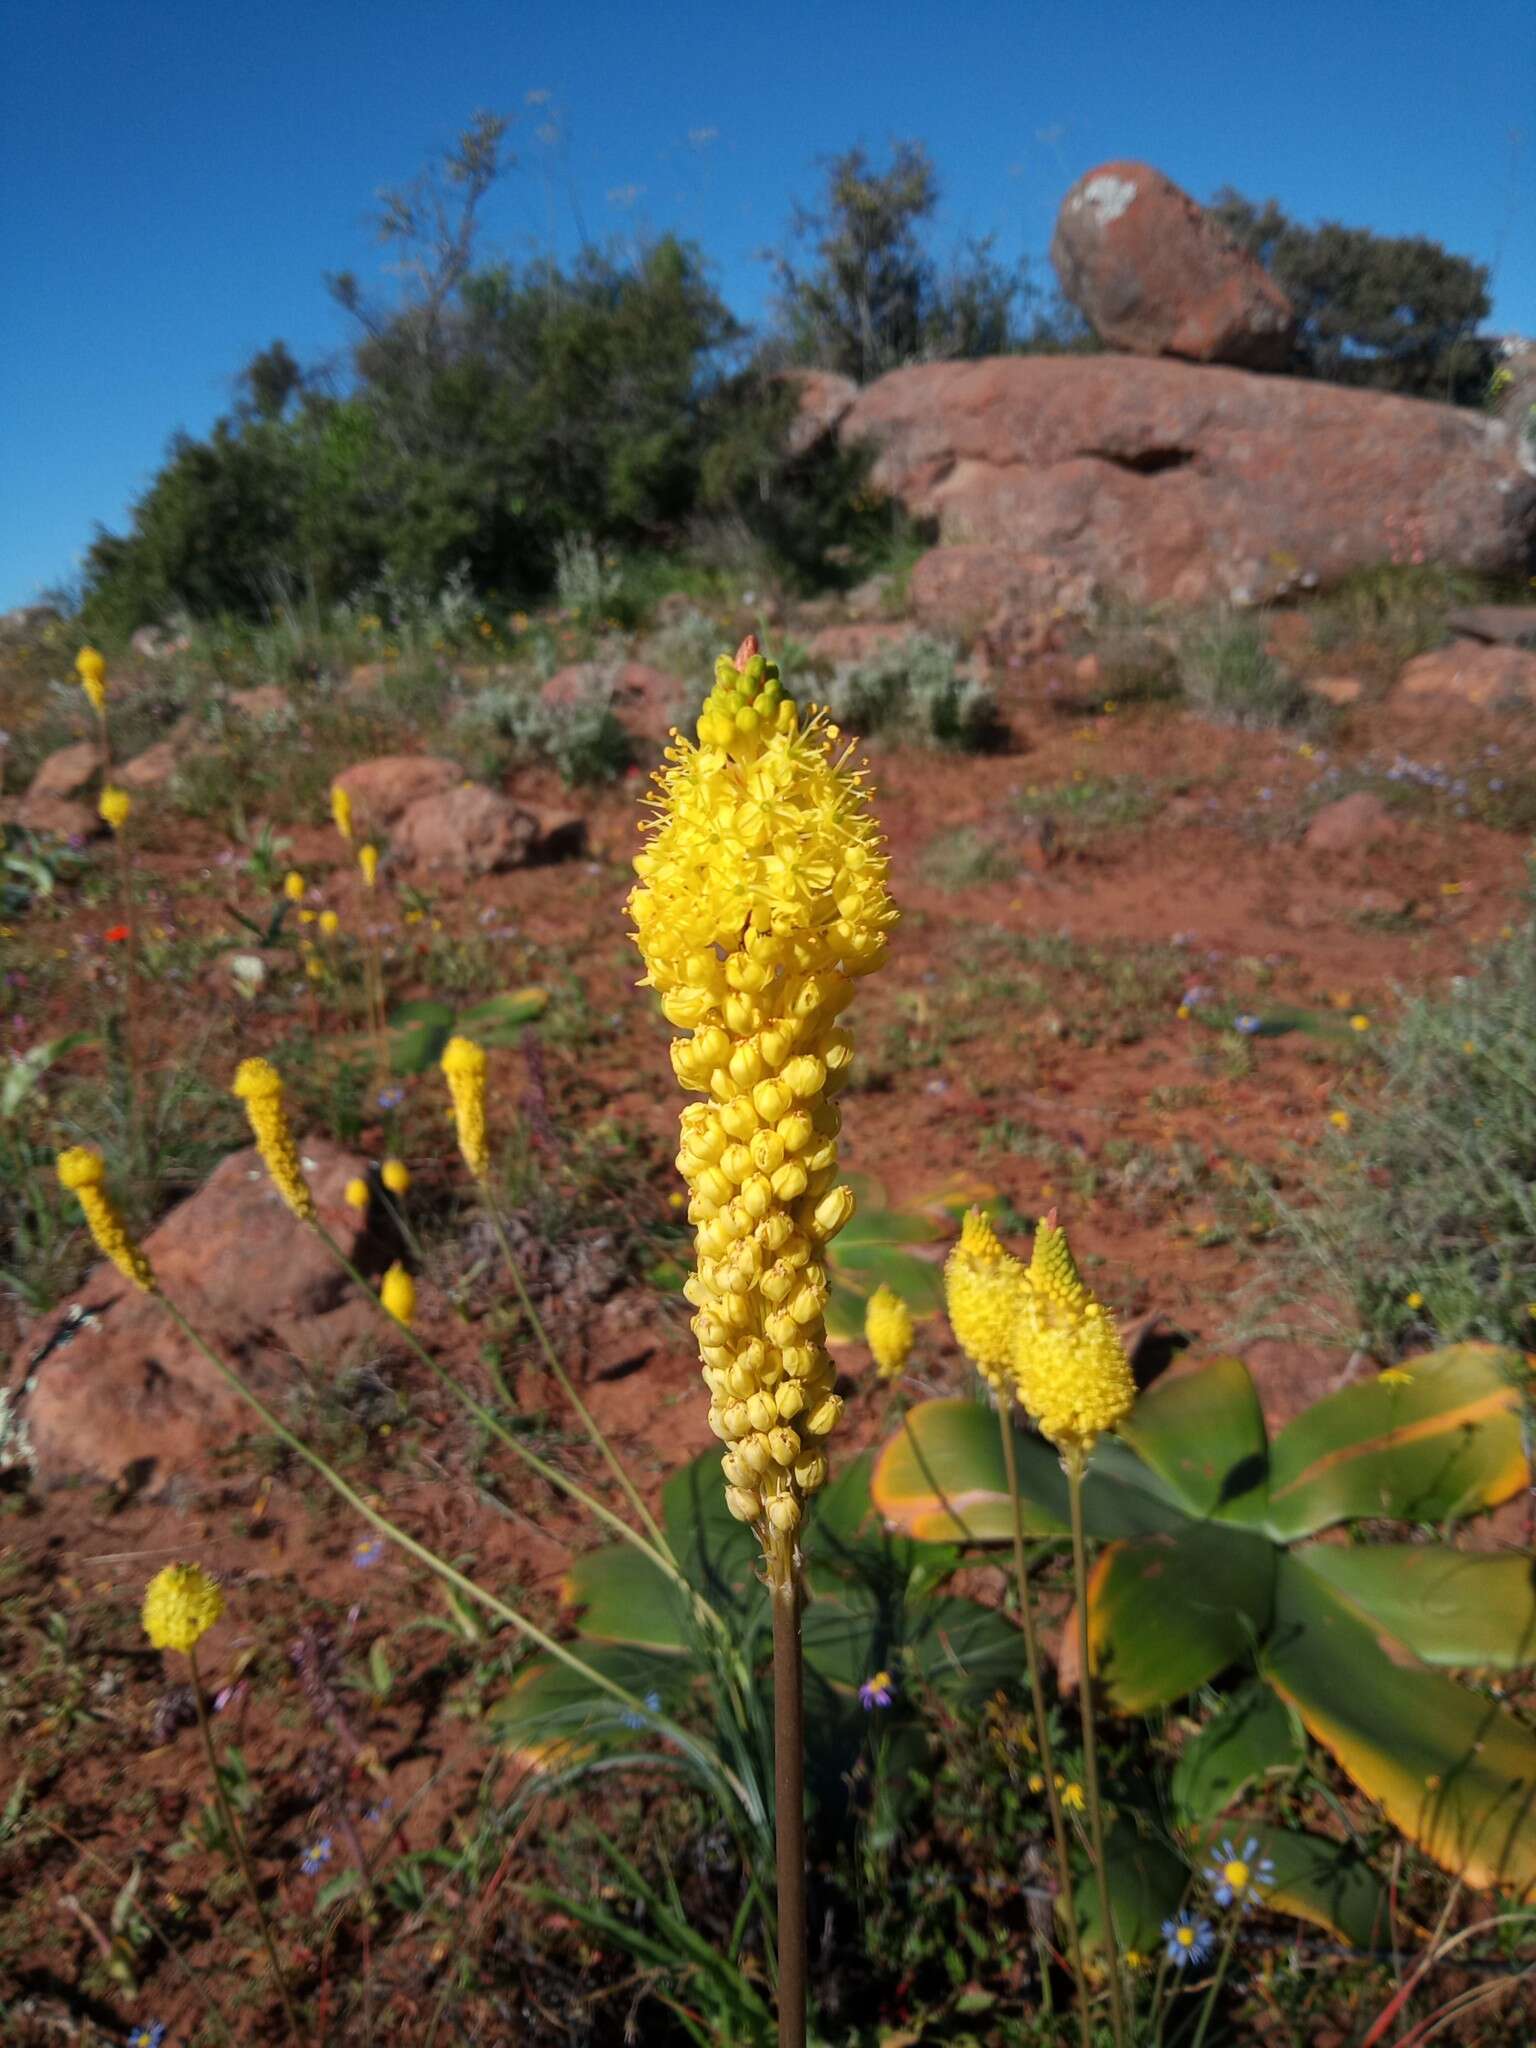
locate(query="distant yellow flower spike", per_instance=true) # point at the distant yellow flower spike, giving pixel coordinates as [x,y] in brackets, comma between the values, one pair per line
[368,861]
[888,1330]
[1070,1367]
[396,1176]
[398,1294]
[984,1286]
[91,668]
[761,896]
[83,1173]
[259,1086]
[293,886]
[181,1604]
[330,924]
[114,806]
[355,1193]
[341,810]
[464,1071]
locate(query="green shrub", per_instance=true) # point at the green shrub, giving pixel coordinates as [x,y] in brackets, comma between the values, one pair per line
[583,738]
[1227,673]
[1425,1222]
[914,689]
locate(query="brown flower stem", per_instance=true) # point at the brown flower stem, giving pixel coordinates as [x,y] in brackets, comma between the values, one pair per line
[237,1841]
[1042,1723]
[1073,1461]
[789,1789]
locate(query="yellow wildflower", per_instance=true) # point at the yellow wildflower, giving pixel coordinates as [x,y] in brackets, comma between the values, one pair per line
[181,1604]
[355,1193]
[260,1087]
[464,1071]
[984,1286]
[761,896]
[398,1294]
[888,1330]
[368,861]
[1340,1119]
[396,1176]
[1395,1376]
[91,668]
[1072,1799]
[293,886]
[83,1173]
[1415,1299]
[1070,1367]
[114,806]
[330,924]
[1359,1022]
[341,810]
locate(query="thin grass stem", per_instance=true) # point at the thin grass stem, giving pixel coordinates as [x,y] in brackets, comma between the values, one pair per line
[1073,1461]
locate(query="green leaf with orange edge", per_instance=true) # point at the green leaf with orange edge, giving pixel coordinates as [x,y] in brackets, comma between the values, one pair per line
[941,1479]
[1146,1882]
[1465,1608]
[1253,1736]
[1445,1444]
[621,1597]
[1169,1611]
[1315,1878]
[1203,1431]
[1453,1771]
[553,1717]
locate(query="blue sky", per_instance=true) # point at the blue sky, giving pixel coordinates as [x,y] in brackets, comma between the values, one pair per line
[175,178]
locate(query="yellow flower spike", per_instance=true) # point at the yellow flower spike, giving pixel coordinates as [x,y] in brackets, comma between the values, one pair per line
[114,806]
[91,668]
[341,810]
[293,886]
[396,1176]
[259,1086]
[368,861]
[84,1174]
[355,1194]
[181,1604]
[464,1071]
[330,924]
[888,1331]
[1070,1367]
[984,1286]
[398,1294]
[760,898]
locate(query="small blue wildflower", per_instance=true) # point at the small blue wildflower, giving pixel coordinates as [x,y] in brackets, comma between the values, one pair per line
[147,2036]
[1238,1877]
[1188,1939]
[316,1856]
[1247,1023]
[367,1552]
[878,1691]
[632,1719]
[391,1098]
[377,1815]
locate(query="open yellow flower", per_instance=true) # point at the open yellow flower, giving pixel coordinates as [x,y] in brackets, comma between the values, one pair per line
[761,896]
[181,1604]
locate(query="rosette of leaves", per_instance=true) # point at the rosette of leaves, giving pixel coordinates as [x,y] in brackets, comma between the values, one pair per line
[899,1247]
[1222,1555]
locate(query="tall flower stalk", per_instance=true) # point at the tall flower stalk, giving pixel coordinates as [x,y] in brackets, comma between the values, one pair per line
[761,897]
[113,809]
[1072,1375]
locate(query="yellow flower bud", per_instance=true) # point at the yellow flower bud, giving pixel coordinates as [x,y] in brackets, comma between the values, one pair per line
[368,861]
[984,1288]
[83,1173]
[398,1294]
[114,806]
[91,668]
[260,1087]
[396,1176]
[330,924]
[293,886]
[1069,1363]
[341,810]
[356,1194]
[181,1604]
[464,1071]
[888,1331]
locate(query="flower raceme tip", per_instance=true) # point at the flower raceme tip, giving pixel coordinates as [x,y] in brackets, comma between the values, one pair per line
[888,1331]
[464,1070]
[984,1286]
[1070,1367]
[84,1173]
[259,1086]
[114,806]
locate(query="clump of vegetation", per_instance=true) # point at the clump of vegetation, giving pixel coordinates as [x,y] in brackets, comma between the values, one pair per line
[581,737]
[1423,1223]
[915,689]
[1228,673]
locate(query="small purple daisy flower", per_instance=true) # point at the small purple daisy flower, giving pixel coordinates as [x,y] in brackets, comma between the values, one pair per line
[1246,1023]
[1188,1939]
[878,1691]
[316,1856]
[1238,1877]
[367,1551]
[148,2035]
[391,1098]
[632,1719]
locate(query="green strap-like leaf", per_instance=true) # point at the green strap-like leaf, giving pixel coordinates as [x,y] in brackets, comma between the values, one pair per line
[1253,1736]
[1204,1432]
[1168,1612]
[1460,1607]
[1315,1878]
[1444,1442]
[1453,1771]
